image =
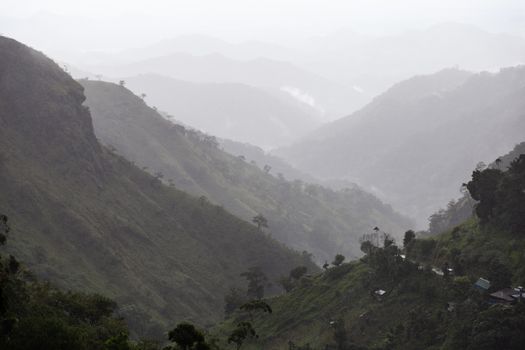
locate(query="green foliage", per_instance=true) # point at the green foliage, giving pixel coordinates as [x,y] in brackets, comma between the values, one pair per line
[233,300]
[338,260]
[260,221]
[241,333]
[408,239]
[298,272]
[256,305]
[257,280]
[34,315]
[187,336]
[501,195]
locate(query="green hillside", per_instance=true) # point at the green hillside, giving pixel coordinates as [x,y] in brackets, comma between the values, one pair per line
[87,219]
[301,215]
[424,305]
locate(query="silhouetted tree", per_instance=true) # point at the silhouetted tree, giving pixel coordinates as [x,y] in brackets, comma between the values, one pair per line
[409,238]
[256,305]
[241,333]
[338,260]
[4,229]
[256,282]
[298,272]
[233,300]
[186,335]
[260,221]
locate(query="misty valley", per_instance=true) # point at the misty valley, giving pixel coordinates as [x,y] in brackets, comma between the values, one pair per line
[342,191]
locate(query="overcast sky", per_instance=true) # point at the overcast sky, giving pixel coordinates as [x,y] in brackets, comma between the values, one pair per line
[115,24]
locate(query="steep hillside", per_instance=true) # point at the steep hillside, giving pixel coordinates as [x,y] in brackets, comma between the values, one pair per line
[260,156]
[424,296]
[460,210]
[415,144]
[303,216]
[229,110]
[87,219]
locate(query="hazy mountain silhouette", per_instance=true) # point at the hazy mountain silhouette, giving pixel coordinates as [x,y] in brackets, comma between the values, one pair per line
[415,144]
[230,110]
[333,99]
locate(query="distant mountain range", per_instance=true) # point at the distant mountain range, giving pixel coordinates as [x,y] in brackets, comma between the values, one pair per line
[374,63]
[268,118]
[305,216]
[363,65]
[415,144]
[328,97]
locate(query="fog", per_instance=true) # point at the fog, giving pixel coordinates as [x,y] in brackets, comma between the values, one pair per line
[262,174]
[118,24]
[294,76]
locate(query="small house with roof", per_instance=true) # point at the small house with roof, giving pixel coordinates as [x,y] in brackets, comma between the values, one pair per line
[482,284]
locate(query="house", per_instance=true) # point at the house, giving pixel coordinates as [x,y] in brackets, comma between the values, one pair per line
[482,284]
[503,296]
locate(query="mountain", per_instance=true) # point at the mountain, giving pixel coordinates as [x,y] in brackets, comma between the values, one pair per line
[197,44]
[375,63]
[415,144]
[330,98]
[260,156]
[456,290]
[230,110]
[303,216]
[87,219]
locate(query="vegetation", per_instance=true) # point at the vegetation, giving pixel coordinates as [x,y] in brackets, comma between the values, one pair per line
[35,315]
[304,216]
[418,297]
[92,221]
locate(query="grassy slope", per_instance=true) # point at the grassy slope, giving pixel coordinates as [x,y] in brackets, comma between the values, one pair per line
[416,301]
[310,218]
[87,219]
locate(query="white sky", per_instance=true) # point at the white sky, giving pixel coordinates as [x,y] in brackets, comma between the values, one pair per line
[103,24]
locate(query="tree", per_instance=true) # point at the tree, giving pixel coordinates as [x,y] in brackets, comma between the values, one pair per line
[286,283]
[409,238]
[267,168]
[260,221]
[243,331]
[298,272]
[234,299]
[122,83]
[256,282]
[256,305]
[4,229]
[482,188]
[143,96]
[340,336]
[186,336]
[338,260]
